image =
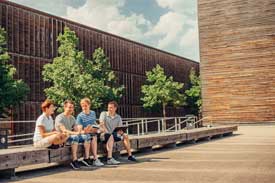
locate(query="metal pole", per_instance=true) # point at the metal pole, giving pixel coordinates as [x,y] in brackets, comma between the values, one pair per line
[158,126]
[176,128]
[146,126]
[142,127]
[138,133]
[127,128]
[163,125]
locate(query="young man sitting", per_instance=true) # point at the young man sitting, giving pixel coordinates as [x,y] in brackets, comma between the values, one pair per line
[66,123]
[109,121]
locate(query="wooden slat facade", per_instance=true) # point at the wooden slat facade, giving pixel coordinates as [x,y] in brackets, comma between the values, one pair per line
[32,43]
[237,48]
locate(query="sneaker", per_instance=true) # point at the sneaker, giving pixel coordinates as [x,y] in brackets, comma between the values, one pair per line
[112,161]
[132,158]
[98,163]
[87,162]
[75,165]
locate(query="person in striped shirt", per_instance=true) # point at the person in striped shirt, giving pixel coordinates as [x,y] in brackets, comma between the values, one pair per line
[87,122]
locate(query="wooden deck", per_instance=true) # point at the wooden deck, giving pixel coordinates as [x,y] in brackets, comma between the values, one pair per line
[17,157]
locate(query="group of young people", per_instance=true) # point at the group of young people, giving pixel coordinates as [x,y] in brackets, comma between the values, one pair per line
[84,129]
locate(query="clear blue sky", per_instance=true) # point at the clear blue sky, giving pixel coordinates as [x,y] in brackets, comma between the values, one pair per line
[170,25]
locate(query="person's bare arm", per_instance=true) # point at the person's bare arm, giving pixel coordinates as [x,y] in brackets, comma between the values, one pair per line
[103,127]
[64,130]
[44,133]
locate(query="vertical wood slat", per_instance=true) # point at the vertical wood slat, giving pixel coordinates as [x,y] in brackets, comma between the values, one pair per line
[37,46]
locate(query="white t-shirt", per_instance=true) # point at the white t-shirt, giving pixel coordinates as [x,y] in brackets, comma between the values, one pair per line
[45,121]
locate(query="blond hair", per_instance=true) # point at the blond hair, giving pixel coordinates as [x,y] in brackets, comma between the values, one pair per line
[86,100]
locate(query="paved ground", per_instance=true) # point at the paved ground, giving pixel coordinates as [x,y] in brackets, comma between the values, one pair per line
[246,157]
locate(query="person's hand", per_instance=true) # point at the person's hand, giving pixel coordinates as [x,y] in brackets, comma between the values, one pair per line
[94,130]
[88,129]
[120,132]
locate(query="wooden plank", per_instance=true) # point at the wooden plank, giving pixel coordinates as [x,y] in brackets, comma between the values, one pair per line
[159,139]
[196,134]
[12,158]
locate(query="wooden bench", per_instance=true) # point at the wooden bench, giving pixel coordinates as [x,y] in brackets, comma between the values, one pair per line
[17,157]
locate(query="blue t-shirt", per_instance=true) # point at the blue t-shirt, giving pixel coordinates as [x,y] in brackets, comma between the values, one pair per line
[86,119]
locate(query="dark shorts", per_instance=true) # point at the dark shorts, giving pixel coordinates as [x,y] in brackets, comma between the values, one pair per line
[116,137]
[103,137]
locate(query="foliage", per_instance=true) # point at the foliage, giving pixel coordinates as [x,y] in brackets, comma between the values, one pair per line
[12,91]
[74,77]
[194,101]
[161,90]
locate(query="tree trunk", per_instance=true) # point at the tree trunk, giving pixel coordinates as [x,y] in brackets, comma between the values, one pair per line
[164,117]
[163,110]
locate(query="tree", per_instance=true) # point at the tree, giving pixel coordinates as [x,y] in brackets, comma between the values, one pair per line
[12,91]
[194,101]
[102,71]
[74,77]
[161,90]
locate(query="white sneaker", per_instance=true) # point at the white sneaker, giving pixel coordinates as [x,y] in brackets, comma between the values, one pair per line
[112,161]
[98,163]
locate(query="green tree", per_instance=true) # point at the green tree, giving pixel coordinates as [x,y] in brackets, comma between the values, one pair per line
[74,77]
[102,71]
[12,91]
[194,101]
[161,90]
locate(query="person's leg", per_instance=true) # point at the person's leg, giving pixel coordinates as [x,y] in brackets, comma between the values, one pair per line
[109,146]
[58,139]
[110,159]
[43,143]
[96,161]
[74,139]
[86,140]
[87,145]
[127,145]
[94,147]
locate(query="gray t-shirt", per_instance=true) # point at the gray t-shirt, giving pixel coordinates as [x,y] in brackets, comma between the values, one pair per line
[110,122]
[68,122]
[45,121]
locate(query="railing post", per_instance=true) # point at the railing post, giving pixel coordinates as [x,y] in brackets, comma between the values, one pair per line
[138,133]
[163,124]
[158,126]
[127,128]
[146,126]
[142,127]
[176,128]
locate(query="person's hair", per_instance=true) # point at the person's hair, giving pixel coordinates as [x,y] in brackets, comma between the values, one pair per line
[114,103]
[86,100]
[46,104]
[68,102]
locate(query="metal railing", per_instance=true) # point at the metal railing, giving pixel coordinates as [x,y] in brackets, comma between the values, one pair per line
[22,137]
[136,126]
[161,125]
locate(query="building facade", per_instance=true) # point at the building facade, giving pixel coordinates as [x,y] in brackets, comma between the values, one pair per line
[237,49]
[32,43]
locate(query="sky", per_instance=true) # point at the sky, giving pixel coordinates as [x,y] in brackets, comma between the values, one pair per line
[169,25]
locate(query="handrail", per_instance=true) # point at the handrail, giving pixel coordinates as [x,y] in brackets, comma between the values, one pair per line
[142,126]
[185,121]
[20,135]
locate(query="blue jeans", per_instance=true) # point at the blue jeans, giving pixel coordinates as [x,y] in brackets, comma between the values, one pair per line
[82,138]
